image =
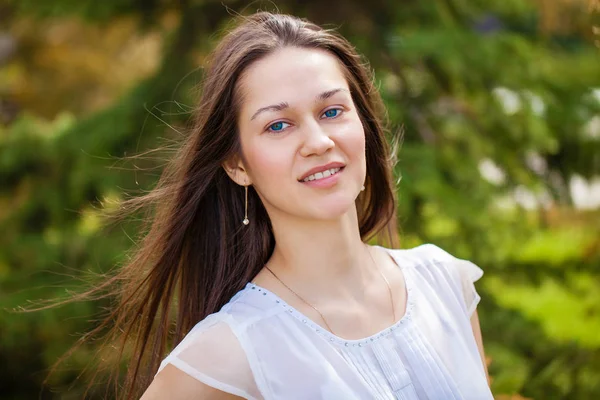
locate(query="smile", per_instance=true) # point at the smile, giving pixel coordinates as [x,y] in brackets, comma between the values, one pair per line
[321,175]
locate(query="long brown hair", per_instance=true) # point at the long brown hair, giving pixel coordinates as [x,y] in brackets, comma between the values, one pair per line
[196,254]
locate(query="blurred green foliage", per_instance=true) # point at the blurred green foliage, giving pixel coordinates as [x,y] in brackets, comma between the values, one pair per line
[498,101]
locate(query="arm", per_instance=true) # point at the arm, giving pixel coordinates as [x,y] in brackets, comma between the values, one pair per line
[173,384]
[479,340]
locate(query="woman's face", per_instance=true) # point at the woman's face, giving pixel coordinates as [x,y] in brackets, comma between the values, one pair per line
[301,136]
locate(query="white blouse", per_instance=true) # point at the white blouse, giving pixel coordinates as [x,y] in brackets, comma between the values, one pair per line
[258,347]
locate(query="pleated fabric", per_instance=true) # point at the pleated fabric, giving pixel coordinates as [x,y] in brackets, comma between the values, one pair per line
[259,347]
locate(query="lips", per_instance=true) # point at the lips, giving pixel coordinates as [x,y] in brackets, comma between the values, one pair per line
[321,169]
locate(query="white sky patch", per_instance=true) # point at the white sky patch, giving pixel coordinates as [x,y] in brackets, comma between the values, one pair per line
[512,101]
[525,198]
[596,94]
[536,163]
[591,129]
[509,99]
[536,103]
[531,200]
[585,195]
[491,172]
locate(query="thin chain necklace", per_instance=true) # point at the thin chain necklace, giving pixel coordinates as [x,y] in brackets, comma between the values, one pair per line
[315,308]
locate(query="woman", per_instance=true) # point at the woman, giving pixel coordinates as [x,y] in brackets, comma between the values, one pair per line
[258,243]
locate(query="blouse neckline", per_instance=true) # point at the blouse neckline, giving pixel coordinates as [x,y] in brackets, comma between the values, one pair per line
[329,336]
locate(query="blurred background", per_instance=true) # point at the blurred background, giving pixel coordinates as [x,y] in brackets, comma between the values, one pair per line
[498,100]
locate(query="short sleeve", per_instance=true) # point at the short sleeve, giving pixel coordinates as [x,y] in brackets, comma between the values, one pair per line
[212,354]
[469,273]
[463,272]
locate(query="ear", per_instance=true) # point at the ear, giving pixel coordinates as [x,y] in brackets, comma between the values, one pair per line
[237,171]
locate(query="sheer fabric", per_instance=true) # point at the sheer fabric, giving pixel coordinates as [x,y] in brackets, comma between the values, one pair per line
[258,347]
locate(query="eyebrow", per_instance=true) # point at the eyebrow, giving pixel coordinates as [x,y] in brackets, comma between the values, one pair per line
[282,106]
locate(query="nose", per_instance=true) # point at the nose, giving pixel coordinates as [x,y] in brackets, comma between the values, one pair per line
[316,140]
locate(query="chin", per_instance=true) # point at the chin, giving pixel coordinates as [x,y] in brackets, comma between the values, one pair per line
[333,209]
[327,208]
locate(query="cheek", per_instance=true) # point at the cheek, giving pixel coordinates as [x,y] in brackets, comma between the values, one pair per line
[354,139]
[266,163]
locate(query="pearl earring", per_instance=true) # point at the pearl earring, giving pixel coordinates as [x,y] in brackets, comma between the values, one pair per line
[362,188]
[246,221]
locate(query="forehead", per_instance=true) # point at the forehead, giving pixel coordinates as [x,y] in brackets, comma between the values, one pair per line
[292,75]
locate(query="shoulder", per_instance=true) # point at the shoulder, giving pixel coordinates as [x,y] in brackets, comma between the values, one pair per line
[436,271]
[423,253]
[212,341]
[431,259]
[223,331]
[214,354]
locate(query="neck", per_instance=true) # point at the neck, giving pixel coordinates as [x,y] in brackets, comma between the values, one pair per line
[322,257]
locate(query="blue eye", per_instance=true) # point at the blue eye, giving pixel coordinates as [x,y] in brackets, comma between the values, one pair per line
[332,113]
[278,126]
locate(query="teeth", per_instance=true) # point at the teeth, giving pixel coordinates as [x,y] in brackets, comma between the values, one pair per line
[321,175]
